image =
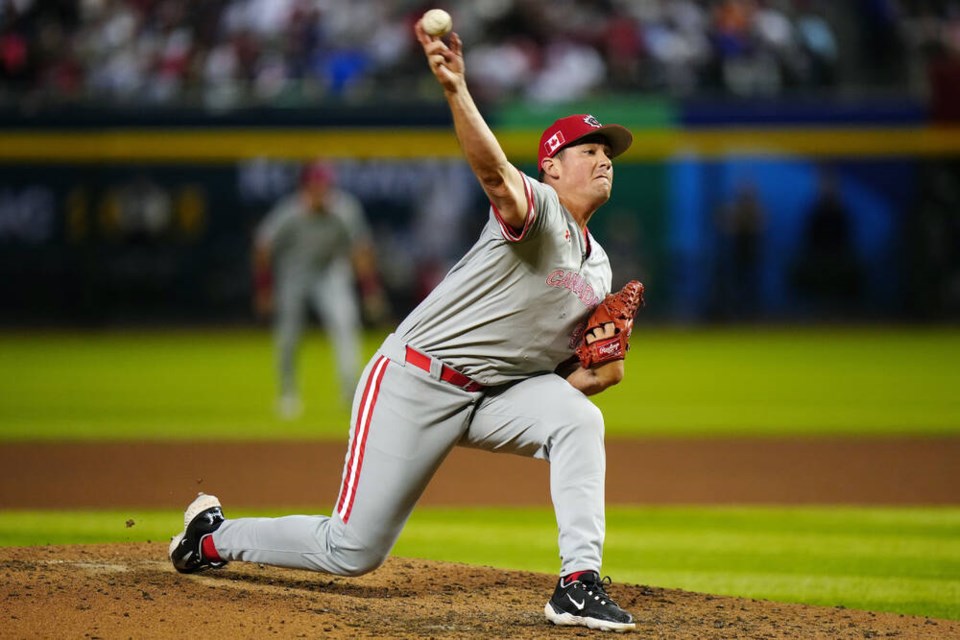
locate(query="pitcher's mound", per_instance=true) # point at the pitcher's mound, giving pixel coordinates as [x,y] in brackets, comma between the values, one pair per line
[132,591]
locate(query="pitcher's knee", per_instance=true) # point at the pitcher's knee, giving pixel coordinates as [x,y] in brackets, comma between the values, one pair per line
[358,562]
[587,419]
[582,424]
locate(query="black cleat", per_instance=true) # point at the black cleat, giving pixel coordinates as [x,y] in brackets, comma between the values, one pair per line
[201,518]
[584,602]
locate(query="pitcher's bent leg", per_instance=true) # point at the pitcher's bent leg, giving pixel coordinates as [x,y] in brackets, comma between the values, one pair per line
[403,426]
[297,542]
[564,427]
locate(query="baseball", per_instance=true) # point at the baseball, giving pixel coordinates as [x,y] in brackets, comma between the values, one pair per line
[437,22]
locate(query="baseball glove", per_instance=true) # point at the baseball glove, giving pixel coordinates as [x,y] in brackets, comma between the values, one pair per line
[607,334]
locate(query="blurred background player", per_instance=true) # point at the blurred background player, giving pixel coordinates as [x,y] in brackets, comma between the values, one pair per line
[314,248]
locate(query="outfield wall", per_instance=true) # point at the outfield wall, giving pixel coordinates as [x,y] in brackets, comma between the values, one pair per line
[140,221]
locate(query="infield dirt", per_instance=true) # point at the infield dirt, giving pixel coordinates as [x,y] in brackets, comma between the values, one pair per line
[131,590]
[846,471]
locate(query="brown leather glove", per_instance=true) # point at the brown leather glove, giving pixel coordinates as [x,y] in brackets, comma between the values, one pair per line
[607,335]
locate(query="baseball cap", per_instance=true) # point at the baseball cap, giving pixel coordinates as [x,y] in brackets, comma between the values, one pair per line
[566,131]
[318,172]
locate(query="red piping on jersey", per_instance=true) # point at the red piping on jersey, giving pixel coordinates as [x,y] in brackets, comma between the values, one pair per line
[509,232]
[351,473]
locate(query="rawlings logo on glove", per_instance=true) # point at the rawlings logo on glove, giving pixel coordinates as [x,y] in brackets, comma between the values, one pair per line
[607,336]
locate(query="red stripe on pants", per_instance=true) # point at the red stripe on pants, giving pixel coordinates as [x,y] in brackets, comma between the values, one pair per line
[351,473]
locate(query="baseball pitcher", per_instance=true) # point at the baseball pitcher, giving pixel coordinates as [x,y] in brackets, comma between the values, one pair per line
[500,356]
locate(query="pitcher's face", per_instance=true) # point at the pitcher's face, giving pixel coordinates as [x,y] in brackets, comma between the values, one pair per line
[587,168]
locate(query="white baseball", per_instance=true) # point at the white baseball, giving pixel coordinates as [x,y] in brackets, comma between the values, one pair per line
[437,22]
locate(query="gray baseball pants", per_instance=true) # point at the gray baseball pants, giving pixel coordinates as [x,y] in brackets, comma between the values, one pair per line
[405,420]
[333,297]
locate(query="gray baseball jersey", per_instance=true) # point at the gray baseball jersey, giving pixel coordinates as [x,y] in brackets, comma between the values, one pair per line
[506,315]
[303,244]
[512,307]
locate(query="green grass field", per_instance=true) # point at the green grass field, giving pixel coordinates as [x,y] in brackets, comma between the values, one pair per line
[220,384]
[718,383]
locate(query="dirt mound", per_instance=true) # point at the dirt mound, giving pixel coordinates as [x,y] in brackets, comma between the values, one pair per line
[130,590]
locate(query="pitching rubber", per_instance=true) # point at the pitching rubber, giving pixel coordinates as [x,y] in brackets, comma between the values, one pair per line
[568,620]
[200,504]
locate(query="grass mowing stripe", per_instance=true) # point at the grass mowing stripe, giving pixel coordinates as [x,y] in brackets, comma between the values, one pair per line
[803,381]
[898,594]
[215,385]
[904,560]
[166,385]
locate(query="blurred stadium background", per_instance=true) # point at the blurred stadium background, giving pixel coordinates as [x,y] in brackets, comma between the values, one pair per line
[796,160]
[796,168]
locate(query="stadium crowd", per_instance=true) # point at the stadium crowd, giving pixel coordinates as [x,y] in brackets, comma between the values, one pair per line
[223,53]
